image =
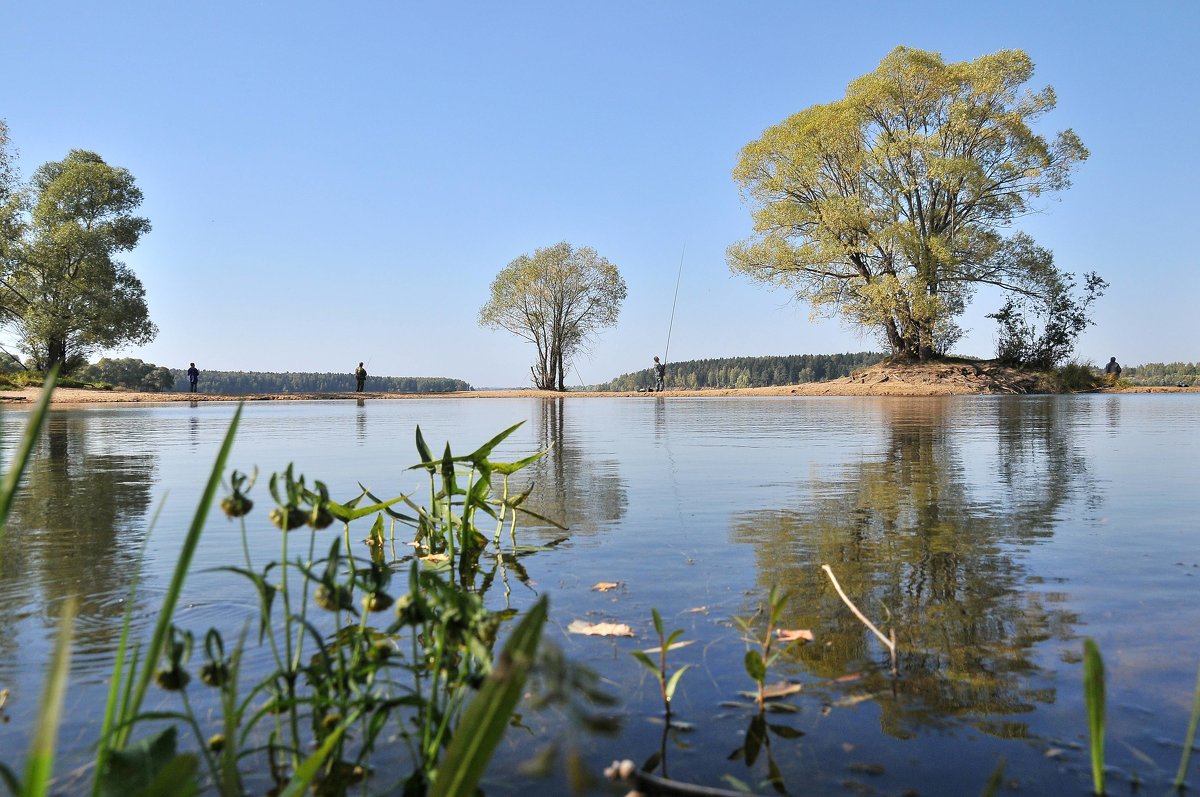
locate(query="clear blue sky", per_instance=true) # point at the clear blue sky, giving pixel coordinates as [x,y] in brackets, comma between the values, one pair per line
[335,182]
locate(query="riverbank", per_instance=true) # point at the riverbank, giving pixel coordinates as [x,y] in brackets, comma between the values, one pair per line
[942,378]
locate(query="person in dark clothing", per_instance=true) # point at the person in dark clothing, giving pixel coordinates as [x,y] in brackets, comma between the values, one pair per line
[360,376]
[1112,371]
[193,376]
[660,373]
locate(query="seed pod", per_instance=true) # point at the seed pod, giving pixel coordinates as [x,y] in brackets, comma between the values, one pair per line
[333,598]
[286,519]
[236,505]
[409,611]
[330,721]
[381,650]
[173,680]
[214,673]
[216,742]
[319,518]
[377,601]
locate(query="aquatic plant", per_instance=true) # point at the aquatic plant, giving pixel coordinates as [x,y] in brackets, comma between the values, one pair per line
[666,683]
[426,673]
[1093,696]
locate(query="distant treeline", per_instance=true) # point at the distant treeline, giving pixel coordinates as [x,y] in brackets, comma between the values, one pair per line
[239,382]
[791,369]
[1162,374]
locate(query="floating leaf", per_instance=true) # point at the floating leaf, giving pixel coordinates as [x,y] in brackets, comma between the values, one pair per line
[672,646]
[599,629]
[435,557]
[786,635]
[605,586]
[781,689]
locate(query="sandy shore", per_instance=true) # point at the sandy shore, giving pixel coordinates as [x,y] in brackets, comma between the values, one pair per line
[957,378]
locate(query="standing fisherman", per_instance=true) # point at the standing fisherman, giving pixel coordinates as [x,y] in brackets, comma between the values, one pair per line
[193,376]
[360,377]
[660,373]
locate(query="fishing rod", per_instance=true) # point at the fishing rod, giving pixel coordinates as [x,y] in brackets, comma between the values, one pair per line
[670,326]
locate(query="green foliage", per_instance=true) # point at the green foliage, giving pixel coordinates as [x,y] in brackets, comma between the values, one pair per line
[238,383]
[728,372]
[1075,376]
[128,372]
[1175,374]
[65,294]
[885,208]
[758,659]
[1039,330]
[556,299]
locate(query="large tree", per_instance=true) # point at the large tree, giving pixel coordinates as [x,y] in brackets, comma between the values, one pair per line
[62,291]
[887,207]
[556,299]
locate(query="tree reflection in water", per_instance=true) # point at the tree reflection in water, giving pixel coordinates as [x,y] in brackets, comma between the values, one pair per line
[76,529]
[908,534]
[578,489]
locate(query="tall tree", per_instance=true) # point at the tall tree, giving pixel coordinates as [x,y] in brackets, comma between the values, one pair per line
[886,207]
[556,299]
[62,290]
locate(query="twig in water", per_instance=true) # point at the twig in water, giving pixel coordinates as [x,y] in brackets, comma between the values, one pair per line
[888,641]
[654,786]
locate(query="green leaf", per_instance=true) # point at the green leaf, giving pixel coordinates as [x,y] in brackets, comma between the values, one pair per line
[347,513]
[486,718]
[1093,693]
[1190,738]
[423,452]
[995,781]
[40,766]
[182,565]
[754,667]
[671,684]
[135,769]
[303,777]
[650,664]
[509,468]
[658,624]
[481,454]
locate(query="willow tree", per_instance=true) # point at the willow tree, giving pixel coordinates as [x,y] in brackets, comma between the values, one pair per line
[887,207]
[555,298]
[62,289]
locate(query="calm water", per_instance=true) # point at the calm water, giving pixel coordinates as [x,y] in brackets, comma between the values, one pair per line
[998,532]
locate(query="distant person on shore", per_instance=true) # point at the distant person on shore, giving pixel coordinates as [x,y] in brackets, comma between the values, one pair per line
[360,377]
[193,377]
[660,374]
[1112,371]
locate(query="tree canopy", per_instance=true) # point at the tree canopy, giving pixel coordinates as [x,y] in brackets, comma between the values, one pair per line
[62,290]
[886,207]
[556,299]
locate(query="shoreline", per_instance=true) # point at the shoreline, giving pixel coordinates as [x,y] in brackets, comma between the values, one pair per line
[65,397]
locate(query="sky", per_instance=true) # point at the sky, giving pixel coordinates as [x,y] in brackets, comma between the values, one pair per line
[331,183]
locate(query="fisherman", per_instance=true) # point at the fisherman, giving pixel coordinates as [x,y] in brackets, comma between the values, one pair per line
[1112,371]
[360,376]
[660,373]
[193,376]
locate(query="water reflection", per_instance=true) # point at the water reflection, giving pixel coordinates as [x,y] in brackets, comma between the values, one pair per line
[571,485]
[75,530]
[915,531]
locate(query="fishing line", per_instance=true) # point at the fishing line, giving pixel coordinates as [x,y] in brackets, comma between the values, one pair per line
[670,326]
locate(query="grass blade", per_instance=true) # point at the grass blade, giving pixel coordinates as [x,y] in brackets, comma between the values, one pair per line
[1191,736]
[182,565]
[1093,695]
[40,766]
[483,724]
[298,786]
